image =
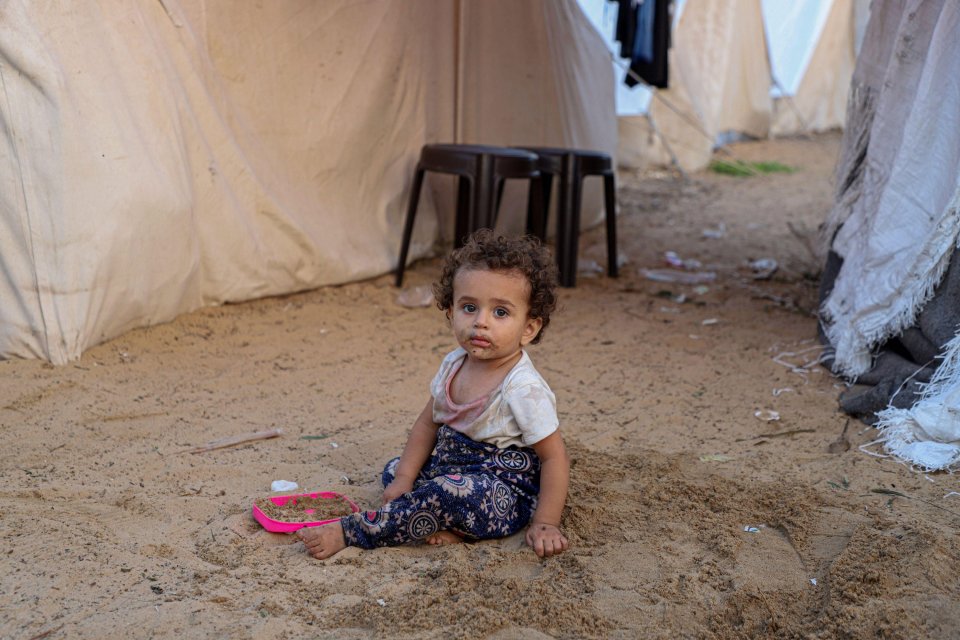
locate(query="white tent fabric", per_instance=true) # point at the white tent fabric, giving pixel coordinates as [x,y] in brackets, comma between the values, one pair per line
[156,157]
[896,222]
[901,223]
[793,32]
[721,80]
[811,95]
[927,435]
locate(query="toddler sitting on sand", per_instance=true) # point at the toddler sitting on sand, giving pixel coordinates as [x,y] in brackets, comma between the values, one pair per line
[485,456]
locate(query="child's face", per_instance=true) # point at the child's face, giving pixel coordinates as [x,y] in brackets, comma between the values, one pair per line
[490,313]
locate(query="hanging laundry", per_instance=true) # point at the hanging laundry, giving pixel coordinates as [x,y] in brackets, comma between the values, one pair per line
[626,26]
[643,30]
[643,40]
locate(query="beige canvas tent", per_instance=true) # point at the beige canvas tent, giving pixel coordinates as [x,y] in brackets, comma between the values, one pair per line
[721,79]
[157,157]
[162,156]
[819,101]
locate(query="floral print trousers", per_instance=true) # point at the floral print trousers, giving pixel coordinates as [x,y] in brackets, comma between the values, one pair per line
[471,488]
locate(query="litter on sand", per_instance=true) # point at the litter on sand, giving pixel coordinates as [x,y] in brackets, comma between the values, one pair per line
[751,529]
[763,268]
[588,268]
[807,365]
[414,297]
[767,415]
[781,434]
[679,277]
[230,441]
[715,457]
[283,485]
[717,232]
[898,494]
[776,434]
[674,260]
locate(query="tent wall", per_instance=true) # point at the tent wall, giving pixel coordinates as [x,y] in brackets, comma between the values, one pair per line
[719,81]
[159,157]
[550,55]
[819,103]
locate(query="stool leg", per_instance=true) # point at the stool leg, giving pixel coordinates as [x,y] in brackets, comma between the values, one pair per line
[568,222]
[547,190]
[501,183]
[610,200]
[464,219]
[408,224]
[538,205]
[484,188]
[573,239]
[534,207]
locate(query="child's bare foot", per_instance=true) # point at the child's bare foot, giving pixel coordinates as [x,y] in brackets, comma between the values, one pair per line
[323,542]
[445,537]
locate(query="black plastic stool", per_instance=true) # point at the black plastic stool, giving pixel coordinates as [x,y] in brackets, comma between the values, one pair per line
[572,166]
[482,170]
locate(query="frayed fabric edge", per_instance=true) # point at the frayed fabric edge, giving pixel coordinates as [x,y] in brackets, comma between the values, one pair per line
[899,427]
[854,338]
[897,439]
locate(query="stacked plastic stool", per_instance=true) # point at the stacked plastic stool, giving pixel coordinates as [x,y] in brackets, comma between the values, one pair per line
[571,166]
[482,170]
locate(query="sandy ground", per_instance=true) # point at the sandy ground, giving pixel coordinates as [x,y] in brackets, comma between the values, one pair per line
[110,529]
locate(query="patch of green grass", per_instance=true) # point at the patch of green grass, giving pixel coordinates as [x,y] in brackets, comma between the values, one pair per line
[742,169]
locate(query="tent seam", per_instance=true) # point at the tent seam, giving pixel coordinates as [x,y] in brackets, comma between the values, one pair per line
[26,218]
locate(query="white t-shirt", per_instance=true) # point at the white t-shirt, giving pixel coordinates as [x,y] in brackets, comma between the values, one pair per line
[521,411]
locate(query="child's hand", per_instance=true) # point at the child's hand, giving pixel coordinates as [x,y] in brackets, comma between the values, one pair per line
[396,489]
[546,539]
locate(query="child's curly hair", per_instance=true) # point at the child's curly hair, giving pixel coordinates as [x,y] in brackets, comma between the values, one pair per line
[526,254]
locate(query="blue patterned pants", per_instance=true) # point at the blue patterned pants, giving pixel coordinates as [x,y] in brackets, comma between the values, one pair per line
[471,488]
